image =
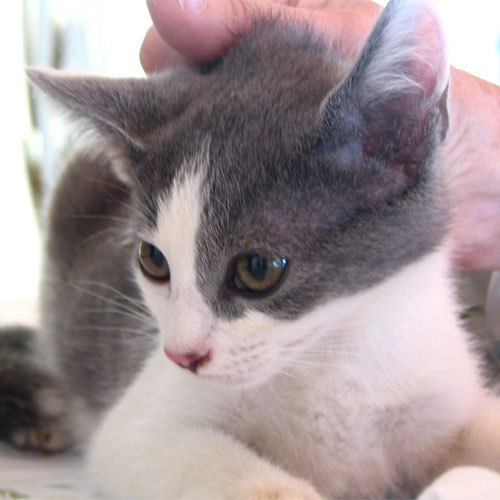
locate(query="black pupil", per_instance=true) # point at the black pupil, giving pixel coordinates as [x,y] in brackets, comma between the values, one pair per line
[256,267]
[156,256]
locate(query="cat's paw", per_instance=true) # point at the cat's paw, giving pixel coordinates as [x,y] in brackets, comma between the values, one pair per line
[283,487]
[33,406]
[47,439]
[47,431]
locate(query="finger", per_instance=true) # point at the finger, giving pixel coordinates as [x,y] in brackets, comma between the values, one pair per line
[156,54]
[199,34]
[307,4]
[204,34]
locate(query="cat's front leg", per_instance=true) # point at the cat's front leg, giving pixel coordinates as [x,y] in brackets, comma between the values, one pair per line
[189,464]
[159,444]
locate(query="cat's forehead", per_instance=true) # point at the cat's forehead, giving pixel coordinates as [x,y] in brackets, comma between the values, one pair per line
[250,132]
[255,108]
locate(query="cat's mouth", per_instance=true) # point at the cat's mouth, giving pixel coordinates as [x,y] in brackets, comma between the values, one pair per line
[199,365]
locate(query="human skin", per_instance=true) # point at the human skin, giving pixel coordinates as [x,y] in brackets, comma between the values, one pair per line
[472,149]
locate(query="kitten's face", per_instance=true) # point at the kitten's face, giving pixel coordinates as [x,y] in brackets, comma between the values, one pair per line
[271,188]
[203,301]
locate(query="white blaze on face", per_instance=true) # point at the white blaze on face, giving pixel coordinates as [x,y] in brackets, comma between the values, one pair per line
[240,349]
[183,316]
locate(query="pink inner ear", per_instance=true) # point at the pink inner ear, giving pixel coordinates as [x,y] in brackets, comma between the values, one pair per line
[431,68]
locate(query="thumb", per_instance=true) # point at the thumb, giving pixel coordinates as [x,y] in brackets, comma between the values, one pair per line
[202,29]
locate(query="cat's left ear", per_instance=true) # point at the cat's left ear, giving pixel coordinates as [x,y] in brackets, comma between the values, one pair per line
[392,106]
[123,111]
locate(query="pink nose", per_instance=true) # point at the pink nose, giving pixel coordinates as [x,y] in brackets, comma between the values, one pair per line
[192,360]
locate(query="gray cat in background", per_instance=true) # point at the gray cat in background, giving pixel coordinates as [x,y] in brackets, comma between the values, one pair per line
[275,224]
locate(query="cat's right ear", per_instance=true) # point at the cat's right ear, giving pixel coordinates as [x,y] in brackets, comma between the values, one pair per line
[391,110]
[123,111]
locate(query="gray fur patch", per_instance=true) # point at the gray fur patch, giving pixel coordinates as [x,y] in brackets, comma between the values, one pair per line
[99,330]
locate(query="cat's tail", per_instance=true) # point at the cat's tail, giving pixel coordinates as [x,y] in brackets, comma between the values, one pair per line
[33,408]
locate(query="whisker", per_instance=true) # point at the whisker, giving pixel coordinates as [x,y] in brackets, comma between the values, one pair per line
[113,218]
[116,328]
[98,234]
[135,302]
[126,314]
[139,307]
[115,186]
[296,378]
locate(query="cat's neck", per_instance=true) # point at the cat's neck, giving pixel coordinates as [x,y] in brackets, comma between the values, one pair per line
[392,330]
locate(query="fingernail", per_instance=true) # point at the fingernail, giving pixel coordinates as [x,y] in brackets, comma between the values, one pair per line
[192,6]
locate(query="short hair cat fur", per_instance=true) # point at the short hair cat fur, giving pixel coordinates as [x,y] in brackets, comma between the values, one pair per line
[348,376]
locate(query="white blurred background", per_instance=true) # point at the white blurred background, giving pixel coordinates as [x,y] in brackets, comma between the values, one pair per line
[98,36]
[104,36]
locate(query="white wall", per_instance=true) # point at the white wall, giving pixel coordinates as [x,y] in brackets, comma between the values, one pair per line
[19,248]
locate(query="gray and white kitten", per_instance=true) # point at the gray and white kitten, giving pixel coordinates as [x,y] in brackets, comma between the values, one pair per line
[276,223]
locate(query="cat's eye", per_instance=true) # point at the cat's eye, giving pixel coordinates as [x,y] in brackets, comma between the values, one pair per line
[257,273]
[153,263]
